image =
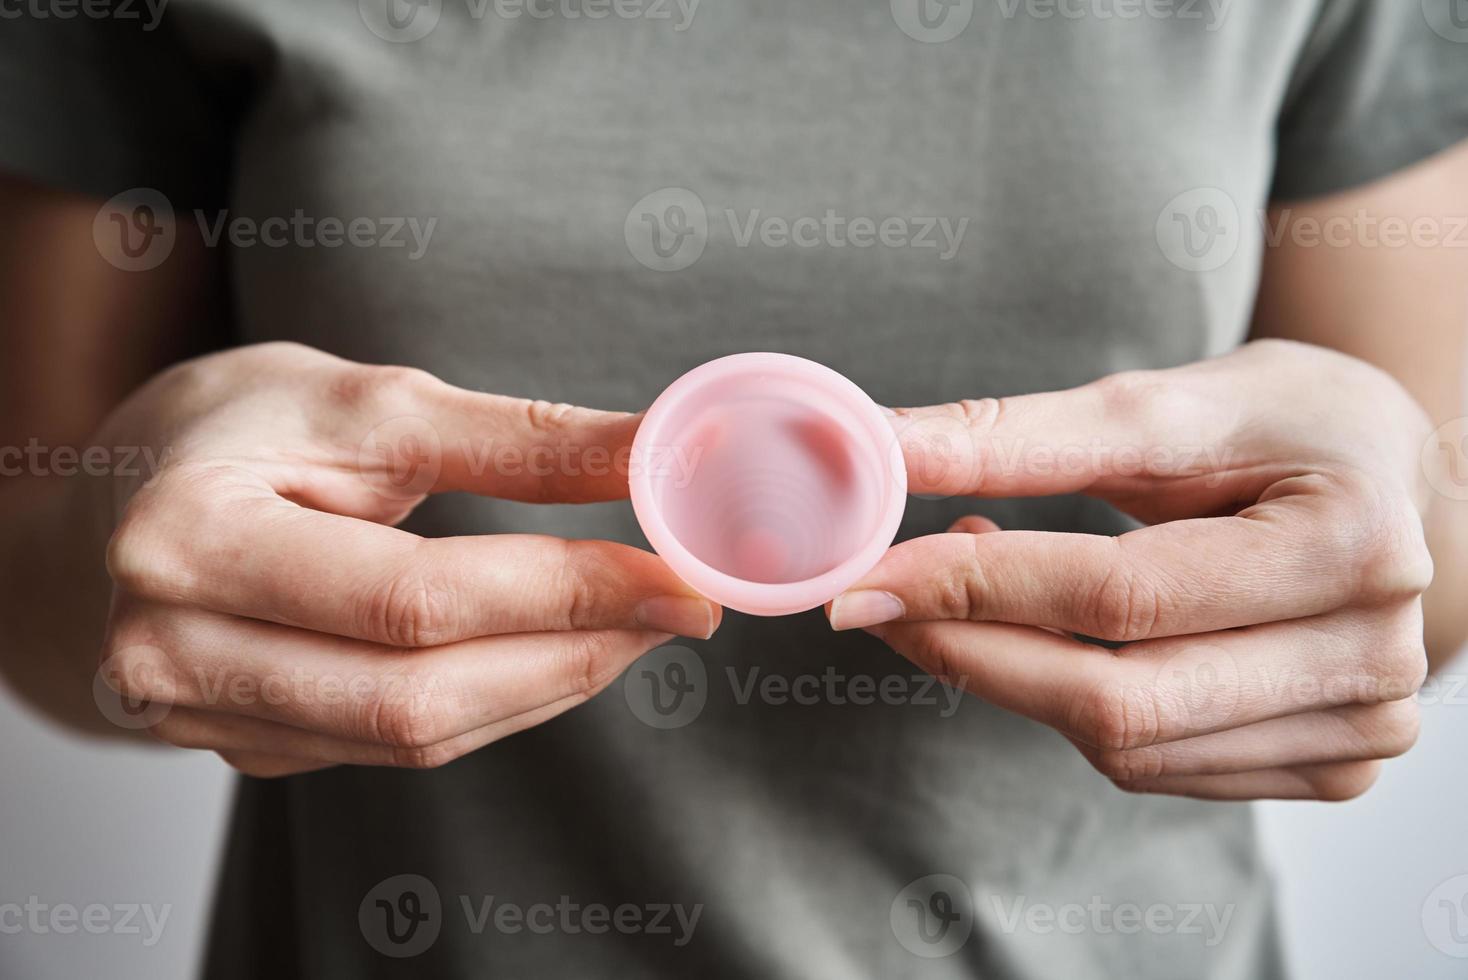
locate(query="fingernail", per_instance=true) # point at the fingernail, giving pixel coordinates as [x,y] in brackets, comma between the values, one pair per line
[868,607]
[679,614]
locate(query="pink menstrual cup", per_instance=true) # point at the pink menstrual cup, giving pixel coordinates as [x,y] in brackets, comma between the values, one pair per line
[768,482]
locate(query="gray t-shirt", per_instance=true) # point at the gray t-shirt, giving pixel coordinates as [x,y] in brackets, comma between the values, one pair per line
[941,201]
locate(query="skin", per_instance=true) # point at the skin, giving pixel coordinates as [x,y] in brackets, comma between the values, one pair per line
[1268,624]
[254,593]
[265,549]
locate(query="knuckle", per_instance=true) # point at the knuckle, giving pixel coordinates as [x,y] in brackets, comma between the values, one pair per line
[423,756]
[547,418]
[172,731]
[412,610]
[1400,666]
[588,664]
[138,553]
[271,350]
[141,671]
[1390,551]
[961,594]
[1398,728]
[403,714]
[979,415]
[584,564]
[1130,766]
[1130,395]
[930,649]
[1114,716]
[1347,781]
[1123,607]
[1405,671]
[144,555]
[378,386]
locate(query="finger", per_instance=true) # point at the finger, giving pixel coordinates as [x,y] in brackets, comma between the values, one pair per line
[404,432]
[972,524]
[1333,782]
[270,766]
[357,690]
[1166,690]
[1110,436]
[230,547]
[1306,552]
[190,728]
[1354,733]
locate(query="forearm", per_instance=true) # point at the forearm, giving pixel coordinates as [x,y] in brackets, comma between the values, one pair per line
[79,335]
[55,604]
[1444,608]
[1404,310]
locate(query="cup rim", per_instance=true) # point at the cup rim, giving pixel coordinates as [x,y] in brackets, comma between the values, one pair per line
[743,595]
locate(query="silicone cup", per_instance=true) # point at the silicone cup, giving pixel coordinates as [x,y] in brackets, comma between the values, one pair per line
[767,482]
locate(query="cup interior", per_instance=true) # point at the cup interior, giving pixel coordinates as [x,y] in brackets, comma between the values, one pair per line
[770,477]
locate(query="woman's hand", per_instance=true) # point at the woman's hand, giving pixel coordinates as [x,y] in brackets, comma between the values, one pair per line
[264,607]
[1270,618]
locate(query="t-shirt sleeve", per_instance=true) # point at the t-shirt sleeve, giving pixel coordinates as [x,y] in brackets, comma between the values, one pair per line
[103,104]
[1379,85]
